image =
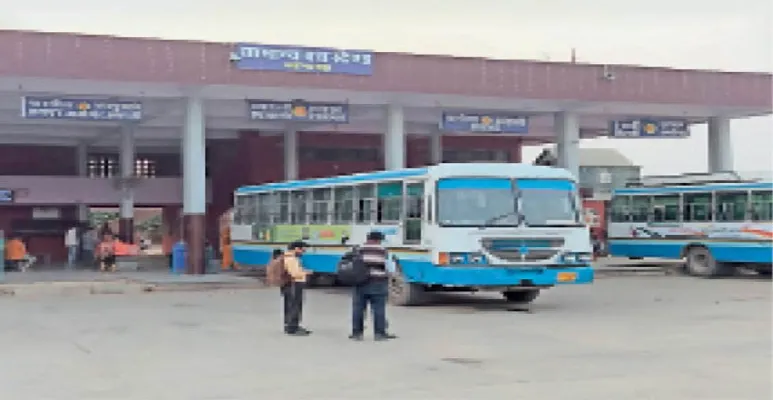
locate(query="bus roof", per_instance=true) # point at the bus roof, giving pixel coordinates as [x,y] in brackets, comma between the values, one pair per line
[470,169]
[693,189]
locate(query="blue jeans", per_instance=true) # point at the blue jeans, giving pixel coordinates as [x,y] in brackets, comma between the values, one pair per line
[72,255]
[373,293]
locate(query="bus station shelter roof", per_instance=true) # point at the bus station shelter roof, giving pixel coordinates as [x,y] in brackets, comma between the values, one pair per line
[162,73]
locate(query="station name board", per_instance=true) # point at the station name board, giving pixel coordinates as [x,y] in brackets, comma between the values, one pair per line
[484,123]
[302,59]
[649,128]
[298,111]
[80,109]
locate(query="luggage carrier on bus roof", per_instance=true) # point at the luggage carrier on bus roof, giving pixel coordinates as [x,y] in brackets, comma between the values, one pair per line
[689,179]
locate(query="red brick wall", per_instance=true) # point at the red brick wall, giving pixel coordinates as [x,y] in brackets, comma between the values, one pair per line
[37,160]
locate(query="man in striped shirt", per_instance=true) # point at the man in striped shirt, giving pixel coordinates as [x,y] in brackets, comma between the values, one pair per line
[374,291]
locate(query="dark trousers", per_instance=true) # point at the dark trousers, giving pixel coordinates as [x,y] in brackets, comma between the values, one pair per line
[373,293]
[293,305]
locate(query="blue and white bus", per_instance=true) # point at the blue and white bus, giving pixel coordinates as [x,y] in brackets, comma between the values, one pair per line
[511,228]
[715,222]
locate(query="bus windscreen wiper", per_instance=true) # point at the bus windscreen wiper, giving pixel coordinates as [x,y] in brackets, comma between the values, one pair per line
[491,220]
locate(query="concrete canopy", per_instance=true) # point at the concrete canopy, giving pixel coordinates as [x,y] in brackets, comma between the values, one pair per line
[162,73]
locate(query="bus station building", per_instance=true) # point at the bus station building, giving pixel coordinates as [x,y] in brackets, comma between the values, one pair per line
[98,121]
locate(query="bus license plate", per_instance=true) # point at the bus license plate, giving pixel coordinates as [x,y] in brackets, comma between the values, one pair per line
[567,276]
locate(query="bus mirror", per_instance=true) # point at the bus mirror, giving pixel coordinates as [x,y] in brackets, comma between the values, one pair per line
[344,239]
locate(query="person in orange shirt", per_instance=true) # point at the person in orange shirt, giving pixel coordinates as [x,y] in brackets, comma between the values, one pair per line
[15,253]
[106,253]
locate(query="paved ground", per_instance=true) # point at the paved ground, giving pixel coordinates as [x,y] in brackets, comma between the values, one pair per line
[622,338]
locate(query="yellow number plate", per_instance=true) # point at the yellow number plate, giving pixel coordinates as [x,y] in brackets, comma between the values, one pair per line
[567,276]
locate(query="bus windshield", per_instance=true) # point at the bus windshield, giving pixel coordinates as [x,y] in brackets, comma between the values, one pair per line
[476,202]
[546,202]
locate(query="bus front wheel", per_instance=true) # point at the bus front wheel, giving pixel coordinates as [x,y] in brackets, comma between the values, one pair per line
[700,262]
[521,296]
[404,293]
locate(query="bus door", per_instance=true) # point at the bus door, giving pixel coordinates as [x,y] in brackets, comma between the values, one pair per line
[413,205]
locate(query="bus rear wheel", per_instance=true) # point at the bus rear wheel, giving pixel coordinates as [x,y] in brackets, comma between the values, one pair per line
[404,293]
[521,296]
[700,262]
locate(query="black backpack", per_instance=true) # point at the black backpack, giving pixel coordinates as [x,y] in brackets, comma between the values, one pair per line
[352,269]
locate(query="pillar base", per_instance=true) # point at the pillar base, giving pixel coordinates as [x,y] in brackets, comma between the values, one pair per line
[194,229]
[126,230]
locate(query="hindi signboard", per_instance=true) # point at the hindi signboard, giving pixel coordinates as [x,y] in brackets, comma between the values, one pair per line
[261,57]
[298,111]
[485,123]
[80,109]
[649,128]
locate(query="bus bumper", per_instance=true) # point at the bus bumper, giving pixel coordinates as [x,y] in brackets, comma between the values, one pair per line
[464,276]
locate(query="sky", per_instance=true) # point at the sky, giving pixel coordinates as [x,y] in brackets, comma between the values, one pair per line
[726,35]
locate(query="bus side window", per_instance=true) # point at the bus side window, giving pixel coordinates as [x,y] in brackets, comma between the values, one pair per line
[620,209]
[665,208]
[731,206]
[365,204]
[697,207]
[762,205]
[390,202]
[640,208]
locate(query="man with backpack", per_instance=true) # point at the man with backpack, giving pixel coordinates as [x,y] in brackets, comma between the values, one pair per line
[286,272]
[368,267]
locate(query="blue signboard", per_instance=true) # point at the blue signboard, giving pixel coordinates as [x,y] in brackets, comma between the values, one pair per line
[302,59]
[80,109]
[6,196]
[300,111]
[644,128]
[489,123]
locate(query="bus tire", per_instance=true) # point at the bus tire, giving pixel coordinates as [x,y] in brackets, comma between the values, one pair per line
[701,263]
[404,293]
[521,296]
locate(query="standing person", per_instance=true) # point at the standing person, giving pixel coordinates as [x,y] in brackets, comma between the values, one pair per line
[106,253]
[90,242]
[71,243]
[374,290]
[292,289]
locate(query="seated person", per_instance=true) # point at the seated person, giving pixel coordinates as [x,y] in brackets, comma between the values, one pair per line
[15,254]
[106,253]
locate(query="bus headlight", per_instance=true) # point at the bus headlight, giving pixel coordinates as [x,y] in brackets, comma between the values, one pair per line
[577,258]
[461,258]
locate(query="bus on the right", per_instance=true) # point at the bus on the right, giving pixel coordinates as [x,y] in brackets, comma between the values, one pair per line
[714,222]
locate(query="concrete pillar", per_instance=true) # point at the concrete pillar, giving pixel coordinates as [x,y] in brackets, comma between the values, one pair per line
[291,154]
[720,146]
[82,169]
[126,156]
[194,184]
[394,139]
[436,147]
[567,129]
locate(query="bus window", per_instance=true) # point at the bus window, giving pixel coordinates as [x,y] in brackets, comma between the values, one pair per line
[390,202]
[365,203]
[640,208]
[320,206]
[344,205]
[283,216]
[665,208]
[762,205]
[241,206]
[250,209]
[413,211]
[298,214]
[697,207]
[731,206]
[620,209]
